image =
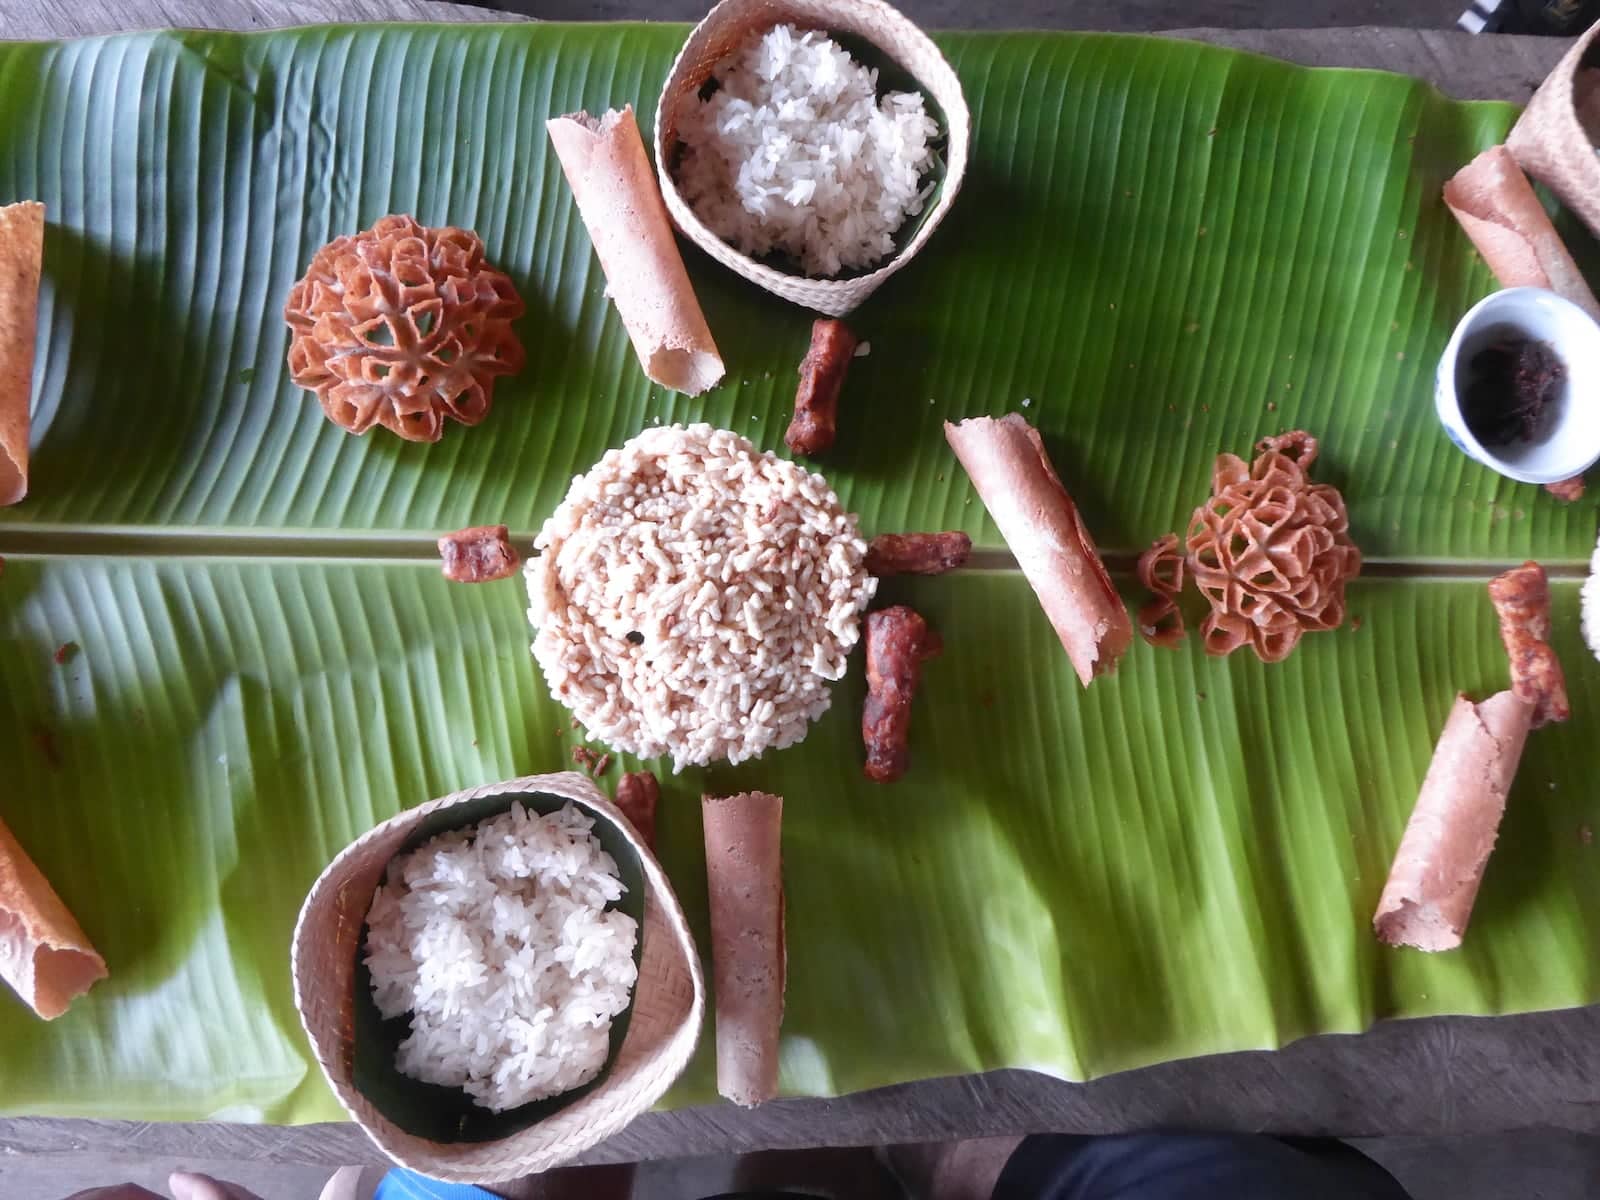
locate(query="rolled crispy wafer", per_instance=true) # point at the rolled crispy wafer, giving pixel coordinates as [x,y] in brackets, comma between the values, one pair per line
[604,161]
[748,959]
[1434,881]
[1012,473]
[21,260]
[1497,207]
[44,955]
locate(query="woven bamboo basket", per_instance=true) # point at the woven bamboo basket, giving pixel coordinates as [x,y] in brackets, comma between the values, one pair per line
[1550,142]
[663,1022]
[729,24]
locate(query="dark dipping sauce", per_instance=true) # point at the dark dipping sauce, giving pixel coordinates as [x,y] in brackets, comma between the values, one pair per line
[1513,385]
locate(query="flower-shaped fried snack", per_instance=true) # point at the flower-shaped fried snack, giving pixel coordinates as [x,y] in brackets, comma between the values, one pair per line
[1161,571]
[1270,550]
[402,326]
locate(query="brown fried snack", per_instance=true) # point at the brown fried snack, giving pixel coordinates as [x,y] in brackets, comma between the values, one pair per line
[898,643]
[44,954]
[1270,550]
[822,372]
[1502,214]
[1161,622]
[403,326]
[615,187]
[638,793]
[1006,460]
[917,553]
[1570,490]
[1161,572]
[749,952]
[1521,599]
[478,555]
[1427,899]
[21,264]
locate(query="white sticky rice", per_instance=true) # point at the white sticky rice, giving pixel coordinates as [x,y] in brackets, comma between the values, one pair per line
[497,942]
[695,596]
[1589,605]
[794,152]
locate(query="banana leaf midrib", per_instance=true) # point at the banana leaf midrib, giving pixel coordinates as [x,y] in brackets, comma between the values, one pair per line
[24,542]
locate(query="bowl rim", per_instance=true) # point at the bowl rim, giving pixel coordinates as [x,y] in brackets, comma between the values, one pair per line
[1447,398]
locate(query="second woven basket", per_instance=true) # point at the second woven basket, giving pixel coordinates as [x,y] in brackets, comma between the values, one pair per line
[663,1020]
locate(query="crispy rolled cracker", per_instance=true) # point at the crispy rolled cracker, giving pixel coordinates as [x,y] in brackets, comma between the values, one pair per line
[1007,463]
[620,202]
[744,874]
[1497,207]
[917,553]
[21,261]
[1428,898]
[816,400]
[1521,599]
[44,955]
[479,554]
[638,793]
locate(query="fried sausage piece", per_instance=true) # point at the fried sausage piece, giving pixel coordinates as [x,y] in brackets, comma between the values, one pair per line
[917,553]
[898,643]
[822,371]
[478,555]
[637,794]
[1522,602]
[1570,490]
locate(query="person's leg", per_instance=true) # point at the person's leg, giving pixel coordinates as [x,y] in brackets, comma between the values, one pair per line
[965,1170]
[1155,1166]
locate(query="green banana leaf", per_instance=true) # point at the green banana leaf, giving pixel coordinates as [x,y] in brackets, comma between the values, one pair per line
[1162,251]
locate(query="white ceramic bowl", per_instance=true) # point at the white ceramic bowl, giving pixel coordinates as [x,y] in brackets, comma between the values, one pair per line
[1572,444]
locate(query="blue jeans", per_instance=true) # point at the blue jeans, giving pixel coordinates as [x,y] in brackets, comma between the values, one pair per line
[400,1184]
[1157,1166]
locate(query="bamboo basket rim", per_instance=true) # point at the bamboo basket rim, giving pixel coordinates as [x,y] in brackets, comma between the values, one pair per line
[654,1053]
